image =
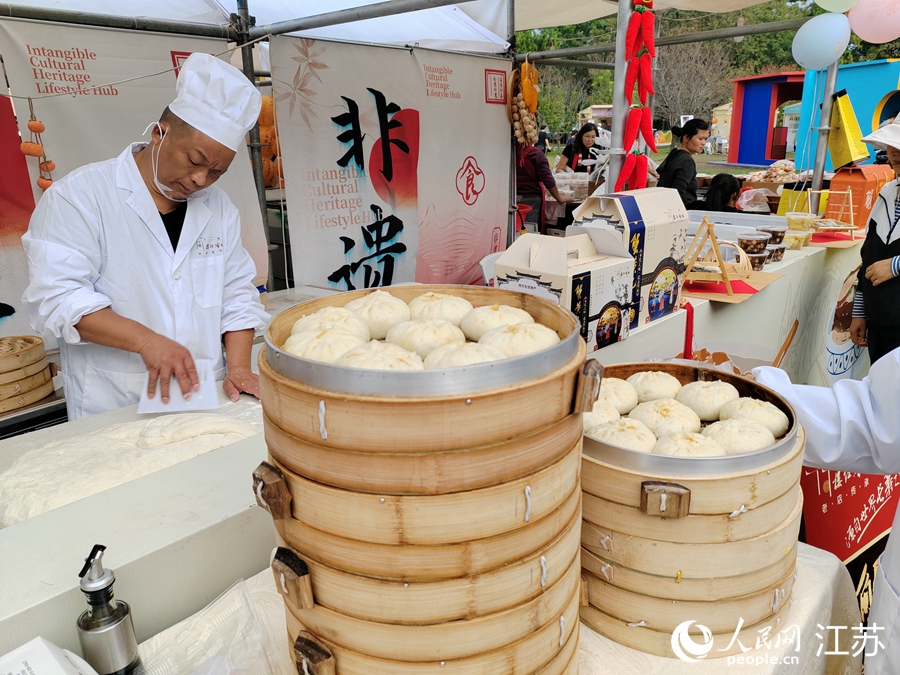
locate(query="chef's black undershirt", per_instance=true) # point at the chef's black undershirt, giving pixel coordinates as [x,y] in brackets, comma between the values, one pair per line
[174,221]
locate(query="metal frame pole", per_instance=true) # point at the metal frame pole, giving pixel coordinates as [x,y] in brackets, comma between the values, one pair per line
[512,217]
[824,128]
[620,105]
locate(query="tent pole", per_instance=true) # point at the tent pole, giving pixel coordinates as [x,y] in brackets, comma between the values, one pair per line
[512,216]
[823,129]
[243,31]
[704,36]
[620,105]
[373,11]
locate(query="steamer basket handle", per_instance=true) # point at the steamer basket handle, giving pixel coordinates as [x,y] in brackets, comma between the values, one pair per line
[587,386]
[312,656]
[292,578]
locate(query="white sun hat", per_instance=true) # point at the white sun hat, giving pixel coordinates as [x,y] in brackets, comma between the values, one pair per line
[887,134]
[217,99]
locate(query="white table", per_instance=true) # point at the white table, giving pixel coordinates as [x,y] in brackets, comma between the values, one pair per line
[823,594]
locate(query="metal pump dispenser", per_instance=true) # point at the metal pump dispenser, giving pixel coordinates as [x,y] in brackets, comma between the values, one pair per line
[105,630]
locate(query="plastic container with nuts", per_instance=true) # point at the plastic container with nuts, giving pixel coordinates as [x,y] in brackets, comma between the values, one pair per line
[758,260]
[776,252]
[753,242]
[776,232]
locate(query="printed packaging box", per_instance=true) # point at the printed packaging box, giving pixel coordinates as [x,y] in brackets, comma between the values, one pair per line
[588,272]
[652,225]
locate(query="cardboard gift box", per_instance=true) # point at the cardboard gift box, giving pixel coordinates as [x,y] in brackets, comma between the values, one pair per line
[652,225]
[588,271]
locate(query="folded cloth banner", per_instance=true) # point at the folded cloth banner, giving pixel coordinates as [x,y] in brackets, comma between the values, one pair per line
[739,287]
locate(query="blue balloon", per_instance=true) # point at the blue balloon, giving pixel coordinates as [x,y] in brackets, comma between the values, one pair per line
[821,41]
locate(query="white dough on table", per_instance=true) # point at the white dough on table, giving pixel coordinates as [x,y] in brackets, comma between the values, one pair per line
[707,398]
[439,306]
[767,414]
[65,471]
[626,433]
[654,384]
[739,436]
[666,416]
[619,393]
[482,319]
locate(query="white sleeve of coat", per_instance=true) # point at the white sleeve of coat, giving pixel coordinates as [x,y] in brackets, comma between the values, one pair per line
[63,263]
[853,426]
[241,308]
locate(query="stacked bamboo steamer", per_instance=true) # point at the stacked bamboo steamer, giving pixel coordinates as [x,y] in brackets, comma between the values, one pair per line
[428,521]
[670,544]
[25,375]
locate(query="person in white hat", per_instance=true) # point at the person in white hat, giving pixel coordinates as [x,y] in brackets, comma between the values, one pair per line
[853,425]
[136,263]
[876,308]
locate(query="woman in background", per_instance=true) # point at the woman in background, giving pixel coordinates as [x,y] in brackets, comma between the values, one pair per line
[721,195]
[679,171]
[533,172]
[573,156]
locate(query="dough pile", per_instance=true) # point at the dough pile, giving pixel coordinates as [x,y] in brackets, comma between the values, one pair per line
[65,471]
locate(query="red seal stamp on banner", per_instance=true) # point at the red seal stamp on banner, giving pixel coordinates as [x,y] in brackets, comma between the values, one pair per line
[470,181]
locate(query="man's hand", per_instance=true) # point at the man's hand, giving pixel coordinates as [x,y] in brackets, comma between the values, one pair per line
[879,272]
[858,331]
[165,358]
[240,380]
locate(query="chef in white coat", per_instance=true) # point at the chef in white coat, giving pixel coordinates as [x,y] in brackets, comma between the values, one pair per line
[136,263]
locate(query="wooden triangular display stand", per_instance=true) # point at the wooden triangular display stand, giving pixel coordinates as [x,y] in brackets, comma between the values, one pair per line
[821,224]
[704,233]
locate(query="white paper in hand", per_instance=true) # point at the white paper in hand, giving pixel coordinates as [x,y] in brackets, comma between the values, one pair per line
[204,399]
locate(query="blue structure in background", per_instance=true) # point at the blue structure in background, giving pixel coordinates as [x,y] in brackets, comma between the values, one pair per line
[755,102]
[873,90]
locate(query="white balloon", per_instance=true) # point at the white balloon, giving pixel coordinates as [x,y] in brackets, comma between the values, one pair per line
[821,41]
[840,6]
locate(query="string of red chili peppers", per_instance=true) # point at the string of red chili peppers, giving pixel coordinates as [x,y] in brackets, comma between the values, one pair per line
[640,48]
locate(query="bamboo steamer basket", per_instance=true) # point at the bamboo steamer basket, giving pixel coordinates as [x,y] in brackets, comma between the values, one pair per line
[20,351]
[427,563]
[25,374]
[431,602]
[550,650]
[431,473]
[422,411]
[426,521]
[719,547]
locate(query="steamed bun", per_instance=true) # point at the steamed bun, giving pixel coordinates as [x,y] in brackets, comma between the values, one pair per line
[458,355]
[440,306]
[381,311]
[424,336]
[666,416]
[334,316]
[482,319]
[626,433]
[654,384]
[520,339]
[619,393]
[601,413]
[325,344]
[688,445]
[707,398]
[739,437]
[767,414]
[375,355]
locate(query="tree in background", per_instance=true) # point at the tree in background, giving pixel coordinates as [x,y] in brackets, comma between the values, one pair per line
[691,79]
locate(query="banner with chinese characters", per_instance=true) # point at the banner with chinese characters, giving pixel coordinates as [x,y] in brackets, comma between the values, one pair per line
[396,162]
[76,77]
[850,515]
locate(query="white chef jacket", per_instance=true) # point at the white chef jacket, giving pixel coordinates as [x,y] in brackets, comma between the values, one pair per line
[96,240]
[855,426]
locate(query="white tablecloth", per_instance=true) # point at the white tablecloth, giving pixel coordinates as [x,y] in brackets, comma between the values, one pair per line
[823,595]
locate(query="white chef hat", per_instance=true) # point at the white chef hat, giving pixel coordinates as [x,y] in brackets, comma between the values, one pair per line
[216,98]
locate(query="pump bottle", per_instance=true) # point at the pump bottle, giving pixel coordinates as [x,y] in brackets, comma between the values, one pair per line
[105,630]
